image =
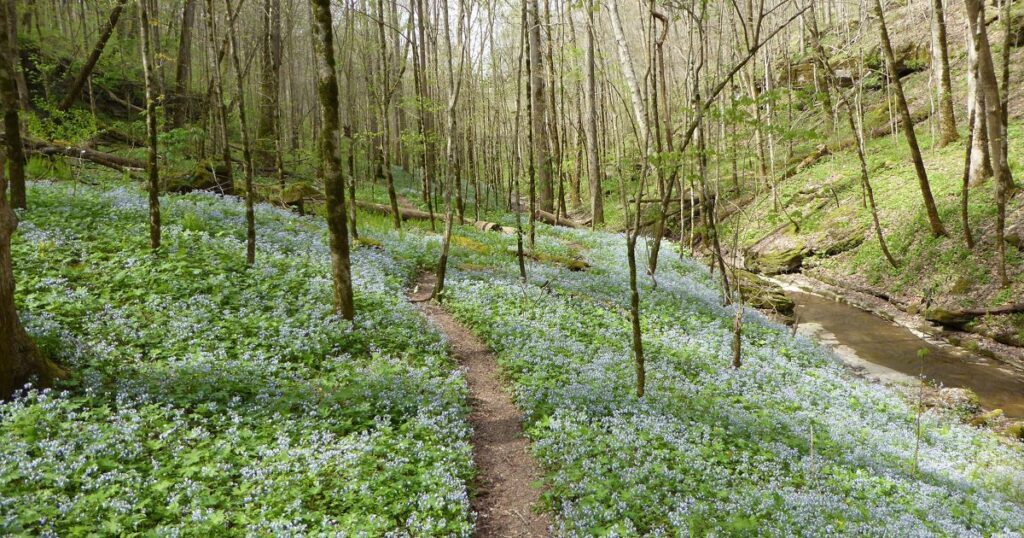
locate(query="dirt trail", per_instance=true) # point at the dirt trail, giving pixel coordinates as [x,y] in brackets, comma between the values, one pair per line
[504,497]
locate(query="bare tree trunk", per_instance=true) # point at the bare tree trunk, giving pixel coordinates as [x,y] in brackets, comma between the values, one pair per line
[14,57]
[966,185]
[183,67]
[856,127]
[20,359]
[989,86]
[334,181]
[152,171]
[270,56]
[15,152]
[94,56]
[541,153]
[217,98]
[593,158]
[908,126]
[455,88]
[385,107]
[940,62]
[250,216]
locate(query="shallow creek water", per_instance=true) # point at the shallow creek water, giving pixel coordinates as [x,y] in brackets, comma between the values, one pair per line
[888,352]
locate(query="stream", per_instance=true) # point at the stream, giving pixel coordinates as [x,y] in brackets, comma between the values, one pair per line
[888,352]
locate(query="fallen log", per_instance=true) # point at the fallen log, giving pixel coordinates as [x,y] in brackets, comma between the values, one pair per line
[959,318]
[407,213]
[550,218]
[109,160]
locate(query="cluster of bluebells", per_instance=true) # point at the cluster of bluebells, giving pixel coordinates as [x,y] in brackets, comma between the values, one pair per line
[211,398]
[789,444]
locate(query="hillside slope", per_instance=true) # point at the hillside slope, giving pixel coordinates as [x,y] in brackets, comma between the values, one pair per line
[207,396]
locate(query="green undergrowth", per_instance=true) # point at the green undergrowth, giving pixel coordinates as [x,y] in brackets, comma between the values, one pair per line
[208,398]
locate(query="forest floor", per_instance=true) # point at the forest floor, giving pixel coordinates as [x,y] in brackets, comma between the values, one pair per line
[211,398]
[505,500]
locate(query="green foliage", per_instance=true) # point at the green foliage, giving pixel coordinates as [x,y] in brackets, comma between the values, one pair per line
[73,126]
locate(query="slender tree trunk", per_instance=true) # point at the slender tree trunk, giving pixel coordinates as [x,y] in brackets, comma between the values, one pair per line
[247,161]
[14,57]
[220,112]
[270,56]
[451,150]
[965,216]
[538,105]
[593,155]
[14,152]
[908,126]
[856,127]
[334,181]
[183,67]
[940,62]
[385,107]
[152,171]
[94,56]
[989,86]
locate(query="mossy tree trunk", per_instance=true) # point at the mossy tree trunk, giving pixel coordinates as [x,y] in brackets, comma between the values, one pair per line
[183,67]
[334,181]
[152,172]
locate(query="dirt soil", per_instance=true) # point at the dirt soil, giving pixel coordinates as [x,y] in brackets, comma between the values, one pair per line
[504,497]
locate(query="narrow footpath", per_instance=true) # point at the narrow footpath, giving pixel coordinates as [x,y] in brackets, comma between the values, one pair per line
[503,496]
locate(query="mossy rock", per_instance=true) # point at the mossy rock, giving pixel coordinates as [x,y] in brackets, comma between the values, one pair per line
[946,317]
[777,262]
[295,193]
[761,293]
[1015,431]
[205,176]
[988,418]
[842,240]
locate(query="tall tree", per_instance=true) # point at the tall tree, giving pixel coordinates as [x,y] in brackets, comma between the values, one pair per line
[270,81]
[94,56]
[20,359]
[330,157]
[220,110]
[940,65]
[152,169]
[247,161]
[12,127]
[183,67]
[908,125]
[538,105]
[989,86]
[593,151]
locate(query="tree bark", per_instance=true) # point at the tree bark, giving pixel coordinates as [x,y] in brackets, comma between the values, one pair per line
[541,150]
[934,221]
[250,216]
[183,67]
[12,126]
[94,56]
[989,87]
[152,172]
[940,63]
[270,55]
[593,159]
[334,181]
[20,359]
